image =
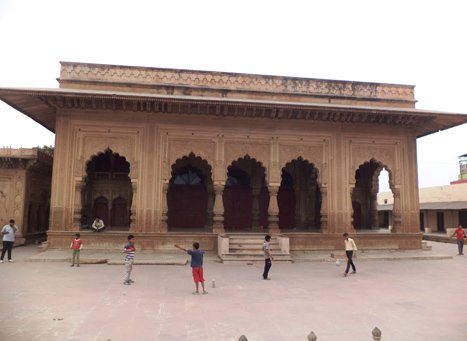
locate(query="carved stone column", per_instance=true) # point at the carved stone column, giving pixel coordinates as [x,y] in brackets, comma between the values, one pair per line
[273,210]
[210,208]
[133,219]
[374,221]
[255,226]
[396,211]
[164,216]
[218,219]
[324,210]
[349,228]
[78,209]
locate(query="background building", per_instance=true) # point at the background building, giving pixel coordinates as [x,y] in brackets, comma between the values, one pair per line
[442,208]
[25,184]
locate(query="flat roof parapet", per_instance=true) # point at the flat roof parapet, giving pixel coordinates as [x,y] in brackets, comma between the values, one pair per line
[25,154]
[227,84]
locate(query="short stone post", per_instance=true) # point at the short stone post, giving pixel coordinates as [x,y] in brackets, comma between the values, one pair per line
[376,334]
[242,338]
[312,336]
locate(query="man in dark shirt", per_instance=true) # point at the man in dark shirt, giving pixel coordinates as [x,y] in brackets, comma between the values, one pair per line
[196,266]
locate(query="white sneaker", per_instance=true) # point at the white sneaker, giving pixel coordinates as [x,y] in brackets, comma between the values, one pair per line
[1,261]
[10,260]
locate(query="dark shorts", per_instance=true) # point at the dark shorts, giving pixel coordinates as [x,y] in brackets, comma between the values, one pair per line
[197,274]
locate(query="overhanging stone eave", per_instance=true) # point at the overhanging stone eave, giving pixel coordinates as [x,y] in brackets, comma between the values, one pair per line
[423,122]
[32,107]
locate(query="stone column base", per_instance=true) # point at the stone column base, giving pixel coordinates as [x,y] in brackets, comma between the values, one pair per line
[274,230]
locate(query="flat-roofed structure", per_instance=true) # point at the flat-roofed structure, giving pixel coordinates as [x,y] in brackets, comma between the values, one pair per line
[25,185]
[173,155]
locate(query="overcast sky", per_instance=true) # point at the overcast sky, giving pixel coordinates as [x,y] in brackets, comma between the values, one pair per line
[422,43]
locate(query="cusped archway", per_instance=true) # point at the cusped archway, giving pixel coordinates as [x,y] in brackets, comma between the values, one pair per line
[190,195]
[107,191]
[299,196]
[364,196]
[246,196]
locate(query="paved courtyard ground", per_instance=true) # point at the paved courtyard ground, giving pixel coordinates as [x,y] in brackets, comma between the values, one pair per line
[406,299]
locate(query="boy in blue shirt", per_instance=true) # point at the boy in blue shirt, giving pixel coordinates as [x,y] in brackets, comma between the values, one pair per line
[196,266]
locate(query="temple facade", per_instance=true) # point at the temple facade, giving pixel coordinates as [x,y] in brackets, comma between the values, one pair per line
[173,155]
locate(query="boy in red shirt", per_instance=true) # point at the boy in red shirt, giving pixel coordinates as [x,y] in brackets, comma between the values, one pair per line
[460,236]
[76,246]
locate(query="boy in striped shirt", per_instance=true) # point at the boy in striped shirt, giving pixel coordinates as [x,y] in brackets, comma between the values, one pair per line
[129,251]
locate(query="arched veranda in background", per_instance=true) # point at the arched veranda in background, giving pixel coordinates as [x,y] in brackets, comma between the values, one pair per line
[190,195]
[107,192]
[299,196]
[364,195]
[245,196]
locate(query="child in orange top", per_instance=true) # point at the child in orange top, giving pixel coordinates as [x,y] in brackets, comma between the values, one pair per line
[76,246]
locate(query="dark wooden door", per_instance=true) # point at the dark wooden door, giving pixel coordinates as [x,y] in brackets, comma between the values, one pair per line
[187,206]
[237,208]
[101,209]
[119,214]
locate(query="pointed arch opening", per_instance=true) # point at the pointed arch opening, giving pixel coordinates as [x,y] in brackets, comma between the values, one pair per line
[107,192]
[190,195]
[385,200]
[246,196]
[372,208]
[299,196]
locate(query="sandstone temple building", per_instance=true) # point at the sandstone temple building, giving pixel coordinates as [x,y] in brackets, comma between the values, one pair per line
[174,155]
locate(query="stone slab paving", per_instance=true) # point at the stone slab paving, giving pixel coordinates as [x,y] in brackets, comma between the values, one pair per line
[408,299]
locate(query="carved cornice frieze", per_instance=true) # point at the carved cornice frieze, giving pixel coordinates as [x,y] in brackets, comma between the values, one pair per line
[214,107]
[233,81]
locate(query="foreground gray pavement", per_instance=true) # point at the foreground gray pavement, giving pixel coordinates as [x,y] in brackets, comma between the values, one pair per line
[408,299]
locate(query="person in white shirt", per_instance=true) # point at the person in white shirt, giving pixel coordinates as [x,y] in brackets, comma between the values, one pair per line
[8,233]
[98,224]
[350,247]
[267,256]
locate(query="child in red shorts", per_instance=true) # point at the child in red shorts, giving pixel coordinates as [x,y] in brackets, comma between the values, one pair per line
[196,266]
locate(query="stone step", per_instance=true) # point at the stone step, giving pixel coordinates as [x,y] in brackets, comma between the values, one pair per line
[248,247]
[252,237]
[257,245]
[248,257]
[251,241]
[253,251]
